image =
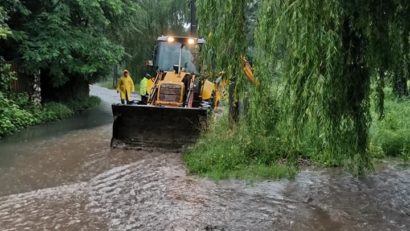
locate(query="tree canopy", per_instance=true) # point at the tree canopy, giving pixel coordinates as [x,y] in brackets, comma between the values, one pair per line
[68,40]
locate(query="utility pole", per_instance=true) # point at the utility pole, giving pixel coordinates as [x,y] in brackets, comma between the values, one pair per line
[194,23]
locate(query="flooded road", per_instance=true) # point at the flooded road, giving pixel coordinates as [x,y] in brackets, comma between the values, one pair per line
[64,176]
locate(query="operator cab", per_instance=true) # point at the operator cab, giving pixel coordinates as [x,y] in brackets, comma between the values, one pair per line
[181,53]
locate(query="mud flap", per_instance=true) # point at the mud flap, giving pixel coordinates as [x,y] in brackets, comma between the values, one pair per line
[150,127]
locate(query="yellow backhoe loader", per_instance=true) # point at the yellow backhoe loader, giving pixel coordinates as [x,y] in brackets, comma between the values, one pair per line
[178,102]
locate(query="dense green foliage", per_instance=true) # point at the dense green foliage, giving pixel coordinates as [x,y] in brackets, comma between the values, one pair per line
[6,74]
[4,29]
[80,40]
[316,61]
[63,39]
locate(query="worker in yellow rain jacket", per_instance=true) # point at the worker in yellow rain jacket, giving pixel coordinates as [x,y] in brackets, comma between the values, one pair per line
[125,87]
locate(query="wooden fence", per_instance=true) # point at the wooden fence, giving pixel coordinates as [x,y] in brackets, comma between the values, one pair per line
[22,83]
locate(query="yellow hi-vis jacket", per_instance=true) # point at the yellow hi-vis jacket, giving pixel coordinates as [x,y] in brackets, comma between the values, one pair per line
[143,86]
[125,87]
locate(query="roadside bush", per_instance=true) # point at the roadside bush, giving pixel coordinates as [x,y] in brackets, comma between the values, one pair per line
[20,99]
[53,111]
[12,117]
[6,75]
[17,112]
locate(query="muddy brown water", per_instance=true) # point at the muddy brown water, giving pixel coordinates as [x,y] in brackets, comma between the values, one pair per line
[64,176]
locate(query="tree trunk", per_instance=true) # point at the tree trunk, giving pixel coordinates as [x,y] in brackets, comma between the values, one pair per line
[400,88]
[380,94]
[36,94]
[233,104]
[358,84]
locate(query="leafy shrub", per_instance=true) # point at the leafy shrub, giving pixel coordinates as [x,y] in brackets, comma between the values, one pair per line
[20,99]
[6,75]
[53,111]
[12,117]
[17,113]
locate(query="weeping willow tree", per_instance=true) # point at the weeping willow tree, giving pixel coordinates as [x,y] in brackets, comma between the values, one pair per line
[316,62]
[325,53]
[326,79]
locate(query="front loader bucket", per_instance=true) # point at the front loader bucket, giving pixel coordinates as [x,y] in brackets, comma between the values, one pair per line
[149,127]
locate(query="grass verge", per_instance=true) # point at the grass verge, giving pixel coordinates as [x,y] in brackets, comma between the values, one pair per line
[224,153]
[390,137]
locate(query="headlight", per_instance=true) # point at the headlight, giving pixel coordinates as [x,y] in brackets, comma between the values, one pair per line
[171,39]
[191,41]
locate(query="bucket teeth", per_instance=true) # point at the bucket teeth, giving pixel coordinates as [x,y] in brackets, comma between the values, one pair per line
[153,127]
